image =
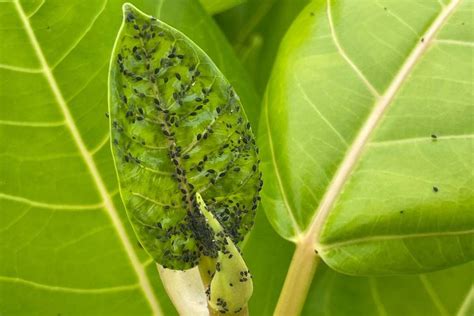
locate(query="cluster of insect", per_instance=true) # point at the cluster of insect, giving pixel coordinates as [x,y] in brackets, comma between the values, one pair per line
[178,133]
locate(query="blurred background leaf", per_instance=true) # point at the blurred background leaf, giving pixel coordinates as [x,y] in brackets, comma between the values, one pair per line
[216,6]
[255,29]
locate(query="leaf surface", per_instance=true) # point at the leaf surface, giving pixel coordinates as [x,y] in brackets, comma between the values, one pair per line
[178,129]
[190,18]
[367,139]
[64,249]
[446,292]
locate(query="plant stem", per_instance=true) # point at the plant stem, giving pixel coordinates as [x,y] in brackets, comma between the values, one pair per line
[298,280]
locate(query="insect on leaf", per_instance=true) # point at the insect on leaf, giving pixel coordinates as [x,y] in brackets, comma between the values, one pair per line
[177,129]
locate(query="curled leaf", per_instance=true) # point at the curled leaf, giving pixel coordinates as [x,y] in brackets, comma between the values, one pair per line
[177,129]
[231,285]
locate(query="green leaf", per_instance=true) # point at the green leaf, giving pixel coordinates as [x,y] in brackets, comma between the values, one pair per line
[64,250]
[367,135]
[178,128]
[216,6]
[255,29]
[446,292]
[190,18]
[65,242]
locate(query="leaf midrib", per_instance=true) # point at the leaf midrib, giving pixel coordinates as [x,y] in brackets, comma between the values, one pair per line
[88,159]
[362,138]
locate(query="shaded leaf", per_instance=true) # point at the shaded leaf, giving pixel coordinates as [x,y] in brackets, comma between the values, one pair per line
[255,29]
[216,6]
[446,292]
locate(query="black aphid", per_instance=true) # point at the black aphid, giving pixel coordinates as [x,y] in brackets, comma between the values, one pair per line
[130,17]
[435,189]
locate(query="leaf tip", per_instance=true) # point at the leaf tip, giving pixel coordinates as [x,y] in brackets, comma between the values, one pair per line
[129,11]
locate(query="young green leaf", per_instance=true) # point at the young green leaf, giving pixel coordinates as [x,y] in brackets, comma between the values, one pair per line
[178,129]
[231,282]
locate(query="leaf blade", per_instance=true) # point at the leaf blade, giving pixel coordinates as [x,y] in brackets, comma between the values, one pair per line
[178,128]
[439,293]
[342,118]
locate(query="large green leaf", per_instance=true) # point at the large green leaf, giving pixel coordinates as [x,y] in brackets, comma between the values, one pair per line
[65,242]
[367,135]
[446,292]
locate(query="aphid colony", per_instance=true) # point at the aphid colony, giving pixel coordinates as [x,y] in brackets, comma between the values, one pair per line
[178,129]
[230,287]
